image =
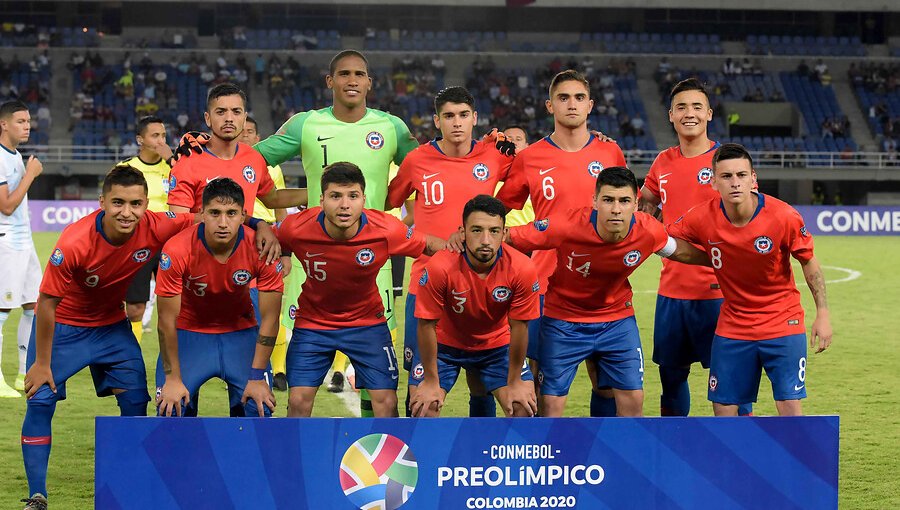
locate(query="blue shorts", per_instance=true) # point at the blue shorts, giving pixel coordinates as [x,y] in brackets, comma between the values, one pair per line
[534,335]
[614,347]
[228,356]
[492,366]
[311,353]
[410,333]
[111,352]
[683,331]
[737,365]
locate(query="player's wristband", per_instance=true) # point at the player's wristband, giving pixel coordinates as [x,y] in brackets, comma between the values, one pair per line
[257,374]
[253,222]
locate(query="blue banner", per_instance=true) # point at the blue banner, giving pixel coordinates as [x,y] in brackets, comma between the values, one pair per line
[595,463]
[851,220]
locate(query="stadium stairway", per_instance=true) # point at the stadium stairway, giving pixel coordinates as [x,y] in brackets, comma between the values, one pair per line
[859,127]
[262,113]
[658,115]
[60,99]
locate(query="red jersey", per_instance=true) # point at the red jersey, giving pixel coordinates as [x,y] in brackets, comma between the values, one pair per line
[215,296]
[340,289]
[590,283]
[753,265]
[556,180]
[681,183]
[92,276]
[190,175]
[472,311]
[443,185]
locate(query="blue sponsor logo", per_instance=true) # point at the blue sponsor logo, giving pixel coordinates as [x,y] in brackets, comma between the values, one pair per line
[172,182]
[57,257]
[165,261]
[481,172]
[501,294]
[242,277]
[763,244]
[541,225]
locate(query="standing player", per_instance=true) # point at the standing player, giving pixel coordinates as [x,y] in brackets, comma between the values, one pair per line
[558,173]
[342,248]
[80,322]
[19,286]
[153,160]
[750,238]
[589,313]
[203,283]
[689,298]
[225,156]
[445,174]
[472,312]
[524,216]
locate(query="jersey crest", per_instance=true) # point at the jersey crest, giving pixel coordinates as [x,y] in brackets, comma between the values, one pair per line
[292,312]
[481,172]
[704,176]
[365,256]
[249,174]
[632,258]
[141,255]
[594,168]
[375,140]
[501,294]
[241,277]
[763,244]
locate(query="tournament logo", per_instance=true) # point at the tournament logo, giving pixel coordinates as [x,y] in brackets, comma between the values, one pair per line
[632,258]
[365,256]
[249,174]
[375,140]
[141,255]
[171,215]
[803,231]
[172,182]
[541,225]
[763,244]
[418,372]
[704,176]
[292,312]
[379,471]
[424,278]
[713,383]
[536,287]
[594,168]
[481,172]
[165,261]
[242,277]
[501,294]
[57,257]
[407,354]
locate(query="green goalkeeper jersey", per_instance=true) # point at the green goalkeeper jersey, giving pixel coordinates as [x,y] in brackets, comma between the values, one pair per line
[320,139]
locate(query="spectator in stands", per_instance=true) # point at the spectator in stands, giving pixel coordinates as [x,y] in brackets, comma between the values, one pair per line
[746,66]
[777,96]
[637,126]
[803,69]
[730,68]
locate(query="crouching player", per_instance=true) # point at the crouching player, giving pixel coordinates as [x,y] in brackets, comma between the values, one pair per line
[207,324]
[473,309]
[342,248]
[750,238]
[588,311]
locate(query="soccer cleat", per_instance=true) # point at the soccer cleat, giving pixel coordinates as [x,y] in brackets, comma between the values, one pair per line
[280,382]
[7,392]
[35,502]
[337,383]
[20,382]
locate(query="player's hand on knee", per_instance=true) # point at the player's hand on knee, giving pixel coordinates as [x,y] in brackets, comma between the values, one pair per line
[259,392]
[173,398]
[192,141]
[429,399]
[602,137]
[521,394]
[37,376]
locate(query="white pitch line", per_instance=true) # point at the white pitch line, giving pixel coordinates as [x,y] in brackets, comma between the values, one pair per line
[349,397]
[852,274]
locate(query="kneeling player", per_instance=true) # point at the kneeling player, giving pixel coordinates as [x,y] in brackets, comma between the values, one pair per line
[342,248]
[750,238]
[588,311]
[203,282]
[473,309]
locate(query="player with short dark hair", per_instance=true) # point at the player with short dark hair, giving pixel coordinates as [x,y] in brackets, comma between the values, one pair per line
[588,312]
[689,297]
[205,308]
[19,286]
[342,247]
[472,312]
[750,238]
[559,172]
[445,174]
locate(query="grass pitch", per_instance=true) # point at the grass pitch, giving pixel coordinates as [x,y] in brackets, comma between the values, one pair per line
[856,379]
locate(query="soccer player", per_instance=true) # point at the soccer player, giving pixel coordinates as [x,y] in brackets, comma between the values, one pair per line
[472,312]
[444,175]
[225,156]
[79,320]
[558,173]
[205,308]
[524,216]
[750,238]
[588,312]
[19,286]
[342,248]
[689,298]
[153,160]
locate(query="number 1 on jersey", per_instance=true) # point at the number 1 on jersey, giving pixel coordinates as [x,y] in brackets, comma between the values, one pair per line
[324,155]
